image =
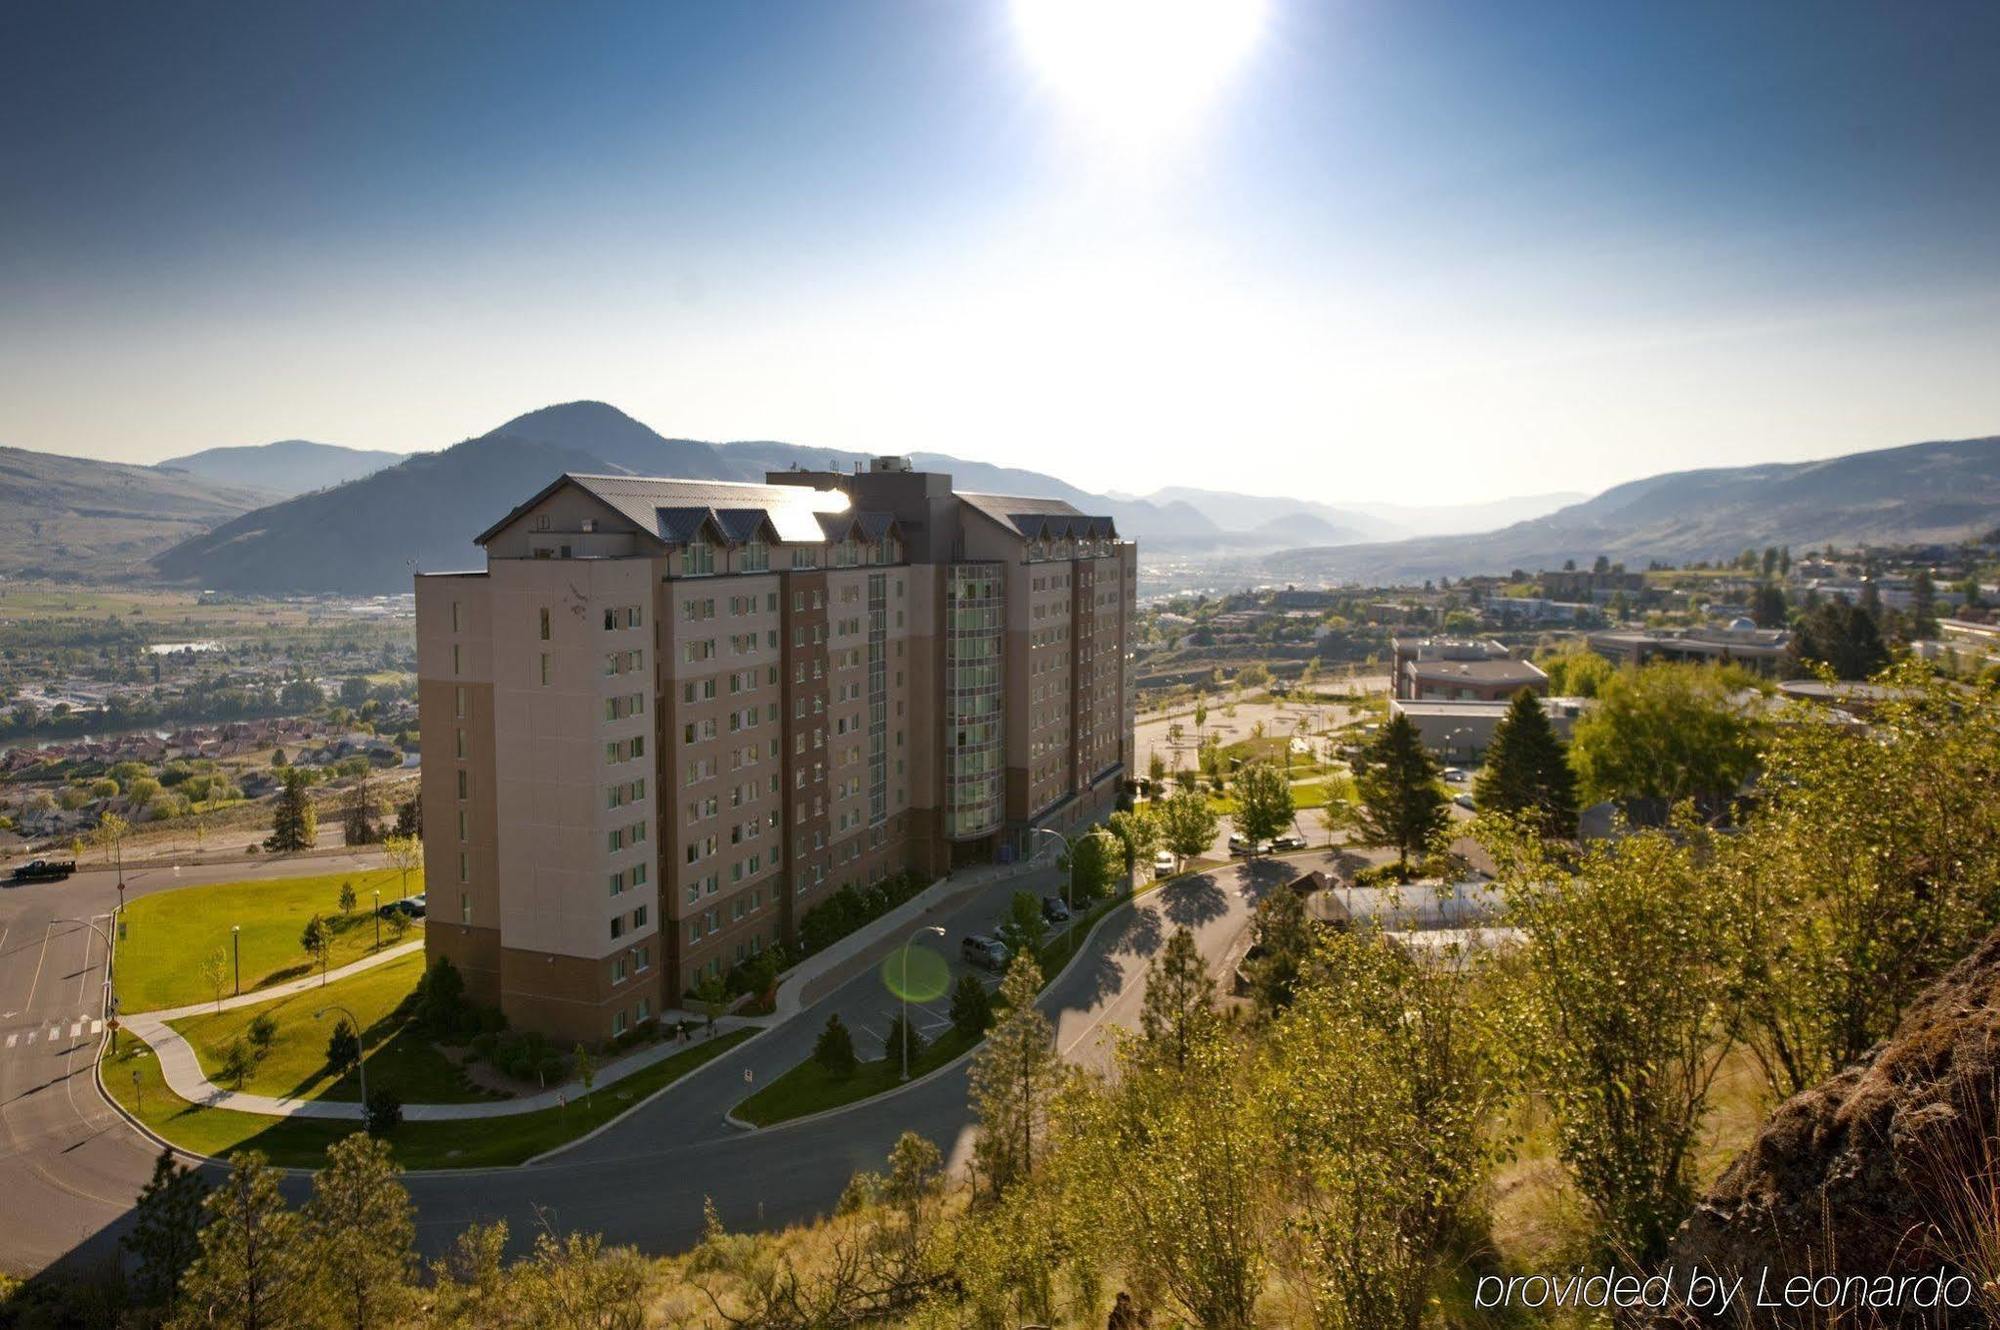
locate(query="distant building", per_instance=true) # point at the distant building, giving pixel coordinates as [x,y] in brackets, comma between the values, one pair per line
[1583,584]
[1461,669]
[1739,642]
[1461,731]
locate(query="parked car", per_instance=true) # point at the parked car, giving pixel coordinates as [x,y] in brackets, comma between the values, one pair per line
[1454,775]
[1164,862]
[1237,845]
[1054,910]
[1464,801]
[44,870]
[988,953]
[410,907]
[1285,843]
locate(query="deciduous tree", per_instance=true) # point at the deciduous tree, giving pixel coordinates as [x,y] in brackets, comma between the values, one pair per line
[1264,807]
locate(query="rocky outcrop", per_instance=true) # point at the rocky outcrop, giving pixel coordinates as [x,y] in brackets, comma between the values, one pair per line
[1888,1169]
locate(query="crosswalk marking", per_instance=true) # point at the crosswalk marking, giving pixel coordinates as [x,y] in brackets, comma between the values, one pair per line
[76,1029]
[11,1038]
[97,1027]
[78,1026]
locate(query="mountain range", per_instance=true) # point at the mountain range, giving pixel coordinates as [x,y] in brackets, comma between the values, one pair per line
[1922,492]
[300,516]
[288,467]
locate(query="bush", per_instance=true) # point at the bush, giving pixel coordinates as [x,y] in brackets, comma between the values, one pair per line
[971,1007]
[755,974]
[834,1049]
[237,1062]
[852,906]
[384,1112]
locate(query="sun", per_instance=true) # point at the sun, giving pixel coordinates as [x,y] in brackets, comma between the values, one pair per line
[1137,68]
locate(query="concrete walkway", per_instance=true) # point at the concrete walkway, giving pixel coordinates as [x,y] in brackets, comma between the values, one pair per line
[275,991]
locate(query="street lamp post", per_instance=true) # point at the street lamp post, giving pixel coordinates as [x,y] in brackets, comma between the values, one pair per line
[236,950]
[904,986]
[378,918]
[360,1063]
[1069,878]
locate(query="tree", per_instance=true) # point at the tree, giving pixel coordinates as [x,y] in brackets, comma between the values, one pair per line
[343,1047]
[237,1062]
[359,813]
[1138,833]
[1767,606]
[1179,1004]
[1844,638]
[1283,940]
[1665,732]
[903,1038]
[294,824]
[1923,604]
[166,1228]
[317,942]
[1013,1079]
[1579,672]
[254,1271]
[1263,802]
[347,898]
[713,994]
[382,1113]
[1870,863]
[971,1007]
[406,855]
[410,817]
[1093,864]
[361,1232]
[1402,803]
[214,971]
[1024,928]
[1188,824]
[1156,768]
[586,1070]
[263,1030]
[1527,772]
[110,837]
[1631,1001]
[834,1049]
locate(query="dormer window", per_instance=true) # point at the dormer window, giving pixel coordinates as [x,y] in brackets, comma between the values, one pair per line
[697,558]
[846,553]
[805,557]
[756,557]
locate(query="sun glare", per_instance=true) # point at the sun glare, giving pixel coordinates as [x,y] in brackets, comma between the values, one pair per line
[1137,68]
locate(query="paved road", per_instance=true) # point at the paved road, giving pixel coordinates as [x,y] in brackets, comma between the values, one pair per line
[70,1166]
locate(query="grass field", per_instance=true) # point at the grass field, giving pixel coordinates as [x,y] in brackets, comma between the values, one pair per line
[295,1064]
[301,1143]
[169,932]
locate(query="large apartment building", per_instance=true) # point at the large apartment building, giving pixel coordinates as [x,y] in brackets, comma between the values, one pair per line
[672,715]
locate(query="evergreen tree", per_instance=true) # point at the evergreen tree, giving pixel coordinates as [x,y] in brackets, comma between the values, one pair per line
[254,1272]
[358,815]
[1527,769]
[294,824]
[1283,944]
[1402,803]
[361,1231]
[343,1047]
[971,1007]
[317,942]
[834,1049]
[1179,1001]
[166,1228]
[1263,802]
[903,1038]
[347,898]
[1014,1076]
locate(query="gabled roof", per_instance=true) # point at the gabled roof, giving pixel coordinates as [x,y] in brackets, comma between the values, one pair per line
[868,526]
[671,511]
[1040,519]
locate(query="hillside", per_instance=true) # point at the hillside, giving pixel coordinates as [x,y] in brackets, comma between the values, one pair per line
[65,516]
[1920,492]
[288,467]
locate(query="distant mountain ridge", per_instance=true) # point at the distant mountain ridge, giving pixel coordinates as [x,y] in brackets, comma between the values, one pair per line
[1918,493]
[287,467]
[65,516]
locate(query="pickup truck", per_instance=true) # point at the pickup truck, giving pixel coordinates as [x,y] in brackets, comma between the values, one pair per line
[43,870]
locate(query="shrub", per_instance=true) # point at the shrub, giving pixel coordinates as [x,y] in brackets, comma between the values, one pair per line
[237,1062]
[900,1028]
[834,1049]
[343,1047]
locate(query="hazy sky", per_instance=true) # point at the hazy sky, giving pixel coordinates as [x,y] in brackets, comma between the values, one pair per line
[1352,249]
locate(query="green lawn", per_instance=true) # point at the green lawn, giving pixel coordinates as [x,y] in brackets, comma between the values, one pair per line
[810,1088]
[301,1143]
[169,932]
[295,1064]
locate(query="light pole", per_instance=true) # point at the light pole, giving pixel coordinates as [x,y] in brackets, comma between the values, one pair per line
[378,918]
[904,986]
[1069,878]
[236,949]
[360,1063]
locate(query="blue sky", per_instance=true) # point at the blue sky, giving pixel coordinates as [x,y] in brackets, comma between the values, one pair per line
[1395,251]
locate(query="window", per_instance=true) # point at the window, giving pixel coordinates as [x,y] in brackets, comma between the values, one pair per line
[464,867]
[697,558]
[545,623]
[455,659]
[639,917]
[617,926]
[464,784]
[545,669]
[618,969]
[461,744]
[756,557]
[465,907]
[456,624]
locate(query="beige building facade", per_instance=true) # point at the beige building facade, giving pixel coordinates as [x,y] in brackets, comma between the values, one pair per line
[670,717]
